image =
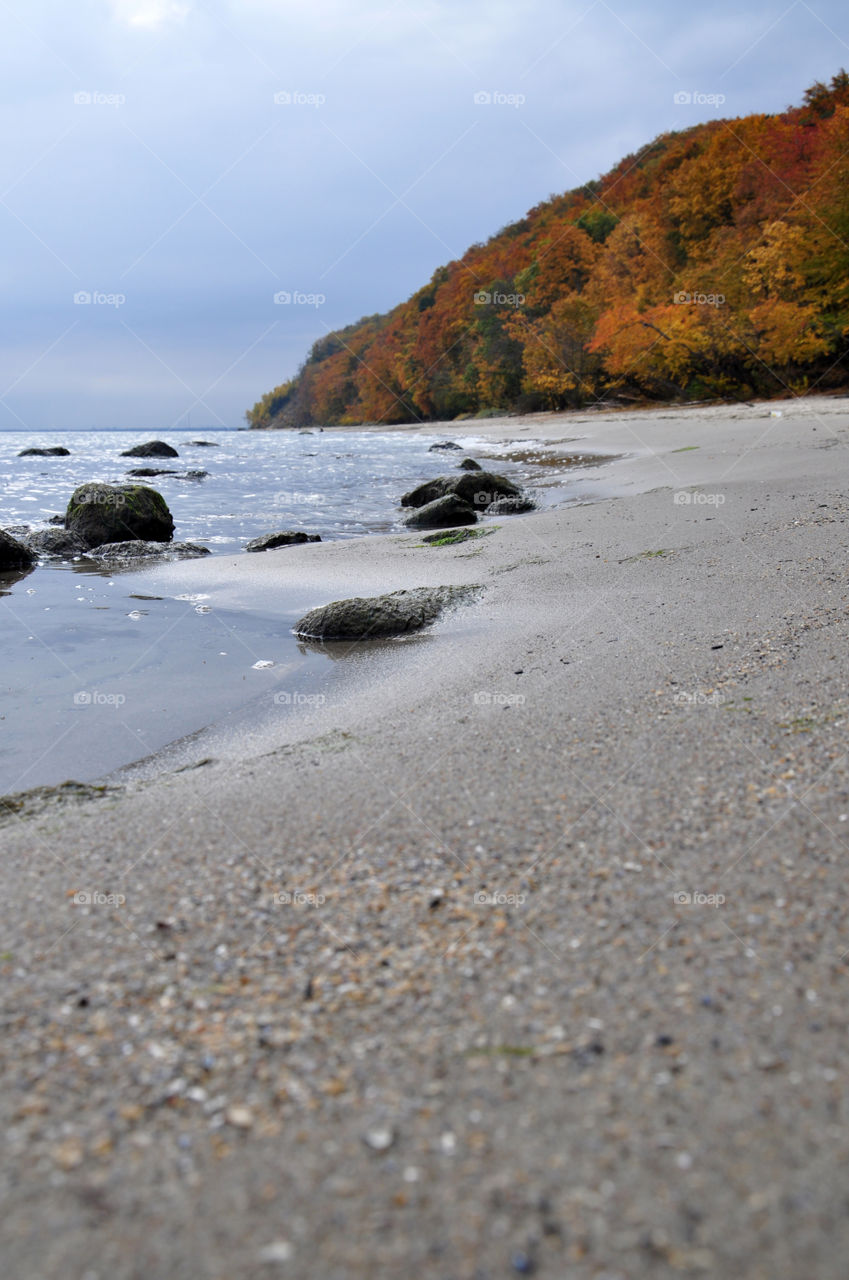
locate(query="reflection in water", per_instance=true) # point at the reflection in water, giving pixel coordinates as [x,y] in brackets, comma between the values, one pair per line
[9,577]
[339,650]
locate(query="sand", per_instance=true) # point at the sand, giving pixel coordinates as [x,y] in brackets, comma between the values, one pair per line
[525,952]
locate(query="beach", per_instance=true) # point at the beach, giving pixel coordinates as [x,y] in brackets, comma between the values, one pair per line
[524,951]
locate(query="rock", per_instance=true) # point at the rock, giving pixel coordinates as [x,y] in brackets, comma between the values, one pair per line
[204,444]
[55,542]
[442,513]
[56,452]
[13,554]
[287,538]
[379,1139]
[161,471]
[152,449]
[100,513]
[444,444]
[123,553]
[469,464]
[480,488]
[279,1251]
[374,617]
[239,1117]
[511,506]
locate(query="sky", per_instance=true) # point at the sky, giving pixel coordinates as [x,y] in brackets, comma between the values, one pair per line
[193,191]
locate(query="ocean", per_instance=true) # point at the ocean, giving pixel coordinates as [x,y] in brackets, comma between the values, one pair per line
[103,668]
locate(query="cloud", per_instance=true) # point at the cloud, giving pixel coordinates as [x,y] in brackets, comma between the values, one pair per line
[150,15]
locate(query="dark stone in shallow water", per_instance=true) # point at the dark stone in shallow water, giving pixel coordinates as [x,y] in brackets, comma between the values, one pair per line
[121,553]
[100,513]
[55,542]
[511,506]
[479,488]
[13,554]
[204,444]
[442,513]
[469,464]
[287,538]
[375,617]
[56,451]
[443,444]
[161,471]
[152,449]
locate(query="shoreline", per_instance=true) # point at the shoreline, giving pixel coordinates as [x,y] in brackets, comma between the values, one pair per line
[441,981]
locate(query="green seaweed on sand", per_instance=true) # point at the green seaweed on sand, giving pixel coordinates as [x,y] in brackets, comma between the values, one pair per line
[453,536]
[686,448]
[649,555]
[27,804]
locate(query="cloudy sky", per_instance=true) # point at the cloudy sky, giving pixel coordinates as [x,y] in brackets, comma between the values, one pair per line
[170,167]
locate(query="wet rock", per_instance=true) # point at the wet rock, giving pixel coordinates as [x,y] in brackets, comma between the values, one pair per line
[131,552]
[100,513]
[511,506]
[56,451]
[161,471]
[479,488]
[286,538]
[443,444]
[442,513]
[370,618]
[55,542]
[13,554]
[204,444]
[469,464]
[152,449]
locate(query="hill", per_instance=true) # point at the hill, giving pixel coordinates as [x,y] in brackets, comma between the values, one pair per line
[714,263]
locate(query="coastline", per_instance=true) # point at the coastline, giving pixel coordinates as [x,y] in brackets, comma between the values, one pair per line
[584,1070]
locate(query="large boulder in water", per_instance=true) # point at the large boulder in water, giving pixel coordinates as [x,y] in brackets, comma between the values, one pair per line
[442,513]
[152,449]
[286,538]
[478,488]
[56,451]
[375,617]
[99,513]
[13,554]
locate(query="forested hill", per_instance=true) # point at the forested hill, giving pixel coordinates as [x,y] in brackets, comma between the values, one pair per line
[713,263]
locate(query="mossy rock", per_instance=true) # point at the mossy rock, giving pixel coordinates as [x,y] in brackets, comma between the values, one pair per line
[99,513]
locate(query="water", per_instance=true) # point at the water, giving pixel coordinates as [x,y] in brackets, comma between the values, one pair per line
[102,669]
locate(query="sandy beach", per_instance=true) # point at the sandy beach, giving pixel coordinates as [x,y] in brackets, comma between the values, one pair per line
[525,951]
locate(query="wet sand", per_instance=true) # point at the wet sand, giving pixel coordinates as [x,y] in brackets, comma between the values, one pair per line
[526,955]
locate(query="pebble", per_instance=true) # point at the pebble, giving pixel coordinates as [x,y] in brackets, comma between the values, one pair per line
[240,1117]
[379,1139]
[277,1252]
